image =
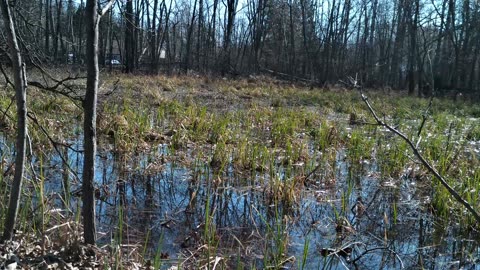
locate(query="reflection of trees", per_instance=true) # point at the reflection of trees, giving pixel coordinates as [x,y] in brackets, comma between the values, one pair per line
[394,228]
[171,205]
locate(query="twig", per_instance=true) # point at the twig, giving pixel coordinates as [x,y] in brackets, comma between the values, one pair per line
[425,163]
[424,116]
[54,144]
[290,77]
[313,171]
[30,154]
[5,113]
[106,8]
[59,226]
[54,89]
[115,87]
[378,248]
[193,254]
[449,138]
[7,79]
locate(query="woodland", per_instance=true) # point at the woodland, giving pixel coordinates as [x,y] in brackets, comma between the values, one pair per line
[403,44]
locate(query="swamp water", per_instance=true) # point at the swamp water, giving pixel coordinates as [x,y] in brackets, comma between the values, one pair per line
[169,206]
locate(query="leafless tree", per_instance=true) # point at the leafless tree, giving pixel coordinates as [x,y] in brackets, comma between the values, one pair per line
[92,19]
[20,84]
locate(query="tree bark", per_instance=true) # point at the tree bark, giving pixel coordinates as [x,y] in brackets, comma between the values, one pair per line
[212,34]
[47,27]
[21,99]
[89,124]
[395,70]
[153,40]
[129,38]
[186,62]
[231,10]
[292,59]
[57,37]
[199,34]
[110,41]
[413,9]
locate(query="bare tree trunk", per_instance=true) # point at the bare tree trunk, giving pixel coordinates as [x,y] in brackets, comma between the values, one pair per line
[326,66]
[364,46]
[453,76]
[307,35]
[395,70]
[199,34]
[47,27]
[344,34]
[259,21]
[51,26]
[92,19]
[445,77]
[372,55]
[212,34]
[80,52]
[186,63]
[153,40]
[474,65]
[413,18]
[21,98]
[90,123]
[110,41]
[58,4]
[438,50]
[164,38]
[292,65]
[464,54]
[231,9]
[137,34]
[40,16]
[129,38]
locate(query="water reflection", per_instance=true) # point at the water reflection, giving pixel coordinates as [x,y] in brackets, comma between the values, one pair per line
[358,221]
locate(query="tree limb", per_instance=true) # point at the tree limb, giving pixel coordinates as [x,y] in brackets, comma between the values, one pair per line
[106,8]
[55,144]
[54,89]
[5,113]
[425,163]
[7,79]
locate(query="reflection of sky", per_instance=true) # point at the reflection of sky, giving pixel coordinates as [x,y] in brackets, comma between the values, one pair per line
[241,212]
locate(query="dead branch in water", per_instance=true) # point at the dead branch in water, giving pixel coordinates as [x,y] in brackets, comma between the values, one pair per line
[416,152]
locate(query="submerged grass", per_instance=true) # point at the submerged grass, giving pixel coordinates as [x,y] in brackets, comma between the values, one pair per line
[269,134]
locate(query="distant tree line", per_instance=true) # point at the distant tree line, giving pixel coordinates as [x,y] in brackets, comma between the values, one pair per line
[403,44]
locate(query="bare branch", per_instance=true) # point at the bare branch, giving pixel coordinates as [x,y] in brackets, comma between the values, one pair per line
[425,116]
[7,79]
[379,248]
[71,93]
[425,163]
[59,83]
[5,113]
[107,7]
[54,144]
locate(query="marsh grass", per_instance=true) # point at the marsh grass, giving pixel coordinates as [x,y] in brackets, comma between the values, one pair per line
[210,234]
[359,148]
[3,192]
[392,156]
[270,135]
[158,260]
[276,240]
